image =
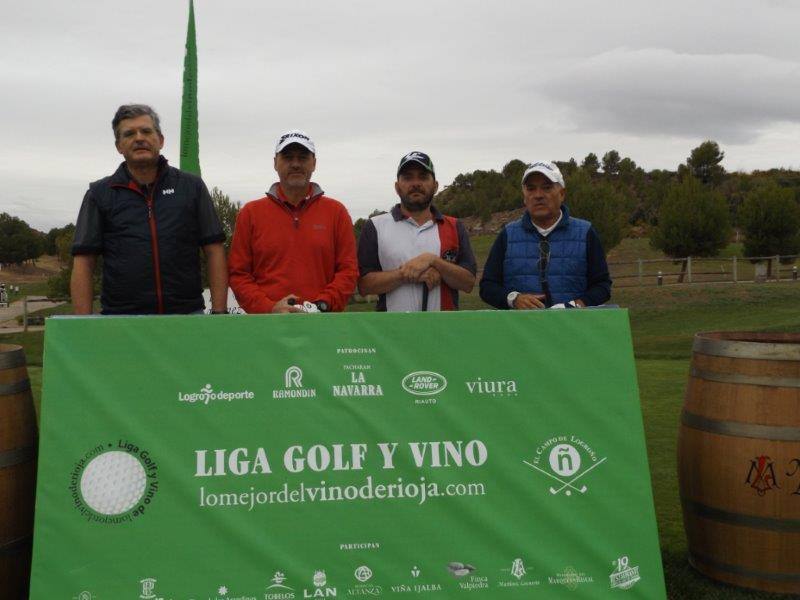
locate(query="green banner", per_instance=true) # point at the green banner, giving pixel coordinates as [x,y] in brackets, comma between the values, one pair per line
[447,455]
[190,136]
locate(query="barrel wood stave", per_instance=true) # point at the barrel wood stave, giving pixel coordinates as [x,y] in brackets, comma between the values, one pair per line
[18,442]
[739,459]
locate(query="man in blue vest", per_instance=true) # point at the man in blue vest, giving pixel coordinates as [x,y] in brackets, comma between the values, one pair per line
[545,259]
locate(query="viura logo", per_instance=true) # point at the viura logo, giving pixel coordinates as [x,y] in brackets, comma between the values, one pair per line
[207,394]
[424,383]
[486,387]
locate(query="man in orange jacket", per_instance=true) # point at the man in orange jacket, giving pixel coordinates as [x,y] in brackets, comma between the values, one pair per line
[294,245]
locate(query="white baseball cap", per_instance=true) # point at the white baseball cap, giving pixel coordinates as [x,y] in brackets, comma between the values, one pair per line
[547,168]
[295,136]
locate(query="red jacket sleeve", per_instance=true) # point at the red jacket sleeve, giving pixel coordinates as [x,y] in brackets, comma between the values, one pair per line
[240,269]
[339,290]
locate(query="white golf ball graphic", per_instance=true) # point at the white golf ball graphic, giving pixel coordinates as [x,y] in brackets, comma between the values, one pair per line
[113,482]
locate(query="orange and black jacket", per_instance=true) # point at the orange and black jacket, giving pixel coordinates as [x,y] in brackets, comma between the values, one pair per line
[308,250]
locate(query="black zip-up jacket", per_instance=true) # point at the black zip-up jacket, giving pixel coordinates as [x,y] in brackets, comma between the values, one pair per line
[149,238]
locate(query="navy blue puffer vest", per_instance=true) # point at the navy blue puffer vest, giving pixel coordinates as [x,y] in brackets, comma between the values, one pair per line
[566,269]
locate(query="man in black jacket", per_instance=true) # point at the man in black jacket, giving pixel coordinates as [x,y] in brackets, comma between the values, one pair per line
[148,221]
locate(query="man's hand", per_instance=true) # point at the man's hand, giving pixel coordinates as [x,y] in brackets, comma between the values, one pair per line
[411,270]
[529,301]
[283,306]
[430,277]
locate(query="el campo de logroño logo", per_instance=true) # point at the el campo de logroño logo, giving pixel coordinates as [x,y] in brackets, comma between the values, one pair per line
[565,459]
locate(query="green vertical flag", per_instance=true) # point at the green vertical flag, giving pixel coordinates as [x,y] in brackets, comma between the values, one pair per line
[190,138]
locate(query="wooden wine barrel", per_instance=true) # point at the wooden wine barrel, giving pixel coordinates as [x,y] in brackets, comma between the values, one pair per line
[17,472]
[739,459]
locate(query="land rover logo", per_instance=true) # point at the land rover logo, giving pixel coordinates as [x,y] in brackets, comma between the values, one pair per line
[424,383]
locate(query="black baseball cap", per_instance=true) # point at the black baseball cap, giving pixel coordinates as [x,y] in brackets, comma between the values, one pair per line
[420,158]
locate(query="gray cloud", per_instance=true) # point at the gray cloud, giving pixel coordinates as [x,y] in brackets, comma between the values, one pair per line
[732,98]
[473,83]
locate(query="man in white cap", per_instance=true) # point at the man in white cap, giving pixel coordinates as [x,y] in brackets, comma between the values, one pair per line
[545,259]
[294,245]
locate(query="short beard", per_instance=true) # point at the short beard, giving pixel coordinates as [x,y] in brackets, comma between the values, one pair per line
[415,206]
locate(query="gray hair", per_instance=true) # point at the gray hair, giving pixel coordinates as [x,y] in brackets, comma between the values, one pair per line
[130,111]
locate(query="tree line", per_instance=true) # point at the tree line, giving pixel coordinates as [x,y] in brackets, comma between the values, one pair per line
[687,212]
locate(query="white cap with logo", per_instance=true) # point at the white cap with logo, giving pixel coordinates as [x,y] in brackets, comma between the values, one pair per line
[547,168]
[295,136]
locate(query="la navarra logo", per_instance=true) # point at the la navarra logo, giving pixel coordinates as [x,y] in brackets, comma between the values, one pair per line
[358,385]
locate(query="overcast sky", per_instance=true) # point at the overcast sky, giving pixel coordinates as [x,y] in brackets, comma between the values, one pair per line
[473,83]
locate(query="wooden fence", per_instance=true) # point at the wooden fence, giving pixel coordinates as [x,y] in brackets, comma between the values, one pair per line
[652,272]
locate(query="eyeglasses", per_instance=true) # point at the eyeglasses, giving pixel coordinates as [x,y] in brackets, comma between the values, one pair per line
[544,258]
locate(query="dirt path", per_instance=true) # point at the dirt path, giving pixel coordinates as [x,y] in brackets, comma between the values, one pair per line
[8,316]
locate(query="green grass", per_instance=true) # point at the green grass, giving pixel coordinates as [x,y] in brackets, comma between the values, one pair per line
[32,342]
[35,375]
[481,244]
[634,249]
[38,288]
[663,321]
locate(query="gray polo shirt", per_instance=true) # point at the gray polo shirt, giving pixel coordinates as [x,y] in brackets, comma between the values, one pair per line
[391,239]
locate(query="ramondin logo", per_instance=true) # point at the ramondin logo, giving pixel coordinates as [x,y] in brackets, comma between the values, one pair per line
[207,394]
[293,377]
[424,383]
[293,385]
[114,483]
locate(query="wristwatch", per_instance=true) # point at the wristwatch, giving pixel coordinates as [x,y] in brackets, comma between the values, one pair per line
[512,296]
